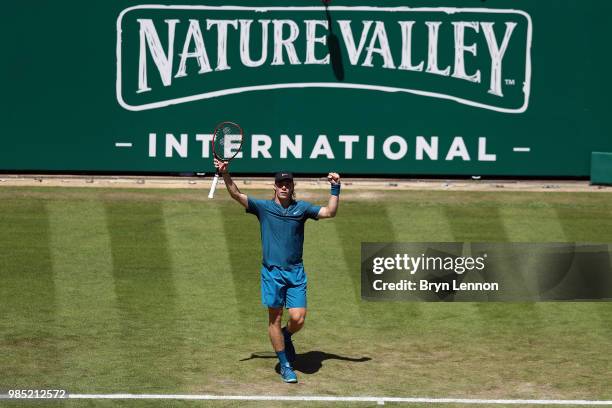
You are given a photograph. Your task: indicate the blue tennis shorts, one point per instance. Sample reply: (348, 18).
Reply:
(283, 287)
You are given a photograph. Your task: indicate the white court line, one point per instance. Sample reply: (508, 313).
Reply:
(522, 149)
(119, 144)
(379, 400)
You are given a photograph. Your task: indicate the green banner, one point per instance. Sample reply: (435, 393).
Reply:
(508, 88)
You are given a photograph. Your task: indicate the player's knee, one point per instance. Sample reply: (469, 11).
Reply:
(298, 319)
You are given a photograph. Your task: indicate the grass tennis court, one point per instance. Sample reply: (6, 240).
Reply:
(157, 291)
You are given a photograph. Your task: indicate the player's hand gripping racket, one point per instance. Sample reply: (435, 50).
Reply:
(226, 144)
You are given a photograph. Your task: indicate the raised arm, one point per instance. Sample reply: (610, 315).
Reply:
(232, 188)
(329, 211)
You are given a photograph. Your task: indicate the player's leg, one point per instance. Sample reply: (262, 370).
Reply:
(275, 316)
(273, 292)
(297, 317)
(296, 305)
(295, 298)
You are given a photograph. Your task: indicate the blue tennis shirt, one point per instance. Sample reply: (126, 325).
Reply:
(282, 230)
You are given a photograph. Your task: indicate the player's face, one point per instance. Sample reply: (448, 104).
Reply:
(284, 189)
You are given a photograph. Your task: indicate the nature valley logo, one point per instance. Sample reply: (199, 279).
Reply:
(169, 55)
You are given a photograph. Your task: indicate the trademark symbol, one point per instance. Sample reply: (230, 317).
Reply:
(511, 82)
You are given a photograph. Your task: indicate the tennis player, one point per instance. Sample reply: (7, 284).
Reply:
(283, 280)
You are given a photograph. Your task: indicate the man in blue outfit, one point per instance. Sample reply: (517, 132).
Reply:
(283, 280)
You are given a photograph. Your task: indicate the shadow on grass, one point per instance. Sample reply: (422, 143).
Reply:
(309, 362)
(243, 243)
(28, 300)
(146, 294)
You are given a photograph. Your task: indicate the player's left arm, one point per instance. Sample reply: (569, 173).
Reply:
(330, 210)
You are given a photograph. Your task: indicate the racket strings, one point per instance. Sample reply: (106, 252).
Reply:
(227, 141)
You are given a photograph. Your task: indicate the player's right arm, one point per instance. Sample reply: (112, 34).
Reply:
(232, 188)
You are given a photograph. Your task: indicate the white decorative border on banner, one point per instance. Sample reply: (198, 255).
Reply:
(231, 91)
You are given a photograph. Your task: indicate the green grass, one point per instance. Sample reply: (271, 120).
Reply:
(157, 291)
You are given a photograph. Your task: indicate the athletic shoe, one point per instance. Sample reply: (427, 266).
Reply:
(287, 374)
(289, 349)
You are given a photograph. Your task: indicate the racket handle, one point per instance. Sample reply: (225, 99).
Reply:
(211, 194)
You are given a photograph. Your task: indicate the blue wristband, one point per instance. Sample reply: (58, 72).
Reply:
(335, 189)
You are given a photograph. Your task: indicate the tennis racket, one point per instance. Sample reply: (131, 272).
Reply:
(226, 144)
